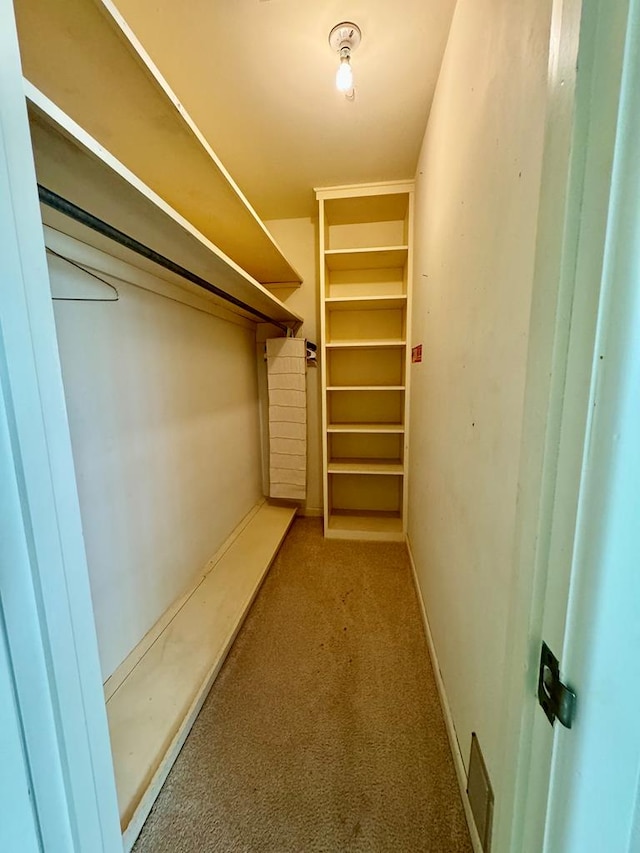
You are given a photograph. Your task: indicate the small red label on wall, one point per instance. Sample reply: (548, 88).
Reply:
(416, 354)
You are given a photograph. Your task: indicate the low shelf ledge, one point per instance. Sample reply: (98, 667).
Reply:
(152, 711)
(350, 524)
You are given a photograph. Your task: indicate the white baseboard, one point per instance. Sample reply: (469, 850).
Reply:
(458, 761)
(311, 512)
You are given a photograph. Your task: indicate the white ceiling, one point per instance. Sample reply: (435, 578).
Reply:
(257, 76)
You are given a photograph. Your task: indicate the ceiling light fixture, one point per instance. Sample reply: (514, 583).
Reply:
(344, 39)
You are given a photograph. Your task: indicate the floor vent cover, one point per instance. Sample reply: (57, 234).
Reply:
(480, 793)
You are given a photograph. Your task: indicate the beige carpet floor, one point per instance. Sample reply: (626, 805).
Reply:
(323, 731)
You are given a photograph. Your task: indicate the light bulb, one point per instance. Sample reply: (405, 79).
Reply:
(344, 76)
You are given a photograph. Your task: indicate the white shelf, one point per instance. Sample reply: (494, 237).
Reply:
(75, 166)
(365, 202)
(85, 57)
(364, 303)
(393, 344)
(357, 205)
(347, 524)
(365, 388)
(380, 257)
(366, 428)
(366, 466)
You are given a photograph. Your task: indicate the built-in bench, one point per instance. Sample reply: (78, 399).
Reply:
(154, 698)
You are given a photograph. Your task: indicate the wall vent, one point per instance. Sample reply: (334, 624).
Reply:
(480, 793)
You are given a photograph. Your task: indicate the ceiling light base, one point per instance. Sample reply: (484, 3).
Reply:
(344, 35)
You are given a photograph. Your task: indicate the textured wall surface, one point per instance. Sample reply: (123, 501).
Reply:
(477, 199)
(163, 409)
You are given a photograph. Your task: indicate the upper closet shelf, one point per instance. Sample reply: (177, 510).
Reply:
(83, 56)
(74, 166)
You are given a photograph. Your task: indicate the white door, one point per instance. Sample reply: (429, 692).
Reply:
(593, 797)
(574, 791)
(46, 621)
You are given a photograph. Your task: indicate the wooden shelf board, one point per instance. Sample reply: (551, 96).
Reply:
(382, 257)
(366, 466)
(391, 344)
(364, 209)
(365, 428)
(75, 166)
(365, 303)
(352, 524)
(151, 712)
(365, 388)
(107, 83)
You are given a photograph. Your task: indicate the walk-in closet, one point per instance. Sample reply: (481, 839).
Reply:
(303, 321)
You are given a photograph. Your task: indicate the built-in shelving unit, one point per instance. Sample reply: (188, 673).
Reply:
(365, 281)
(85, 58)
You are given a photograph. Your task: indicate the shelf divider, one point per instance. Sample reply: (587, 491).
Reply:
(365, 428)
(365, 303)
(380, 344)
(379, 257)
(366, 387)
(366, 466)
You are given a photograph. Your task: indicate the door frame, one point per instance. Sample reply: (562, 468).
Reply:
(44, 584)
(594, 791)
(577, 216)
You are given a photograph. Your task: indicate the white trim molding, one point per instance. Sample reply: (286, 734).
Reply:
(44, 585)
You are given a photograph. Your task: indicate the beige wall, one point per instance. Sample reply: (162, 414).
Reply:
(162, 402)
(298, 239)
(476, 205)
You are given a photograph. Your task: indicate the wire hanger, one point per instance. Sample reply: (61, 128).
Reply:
(88, 272)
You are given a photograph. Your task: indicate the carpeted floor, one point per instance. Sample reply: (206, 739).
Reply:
(323, 731)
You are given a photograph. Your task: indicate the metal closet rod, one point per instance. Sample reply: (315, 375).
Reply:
(63, 205)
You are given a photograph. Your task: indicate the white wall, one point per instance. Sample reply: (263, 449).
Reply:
(162, 402)
(298, 239)
(476, 205)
